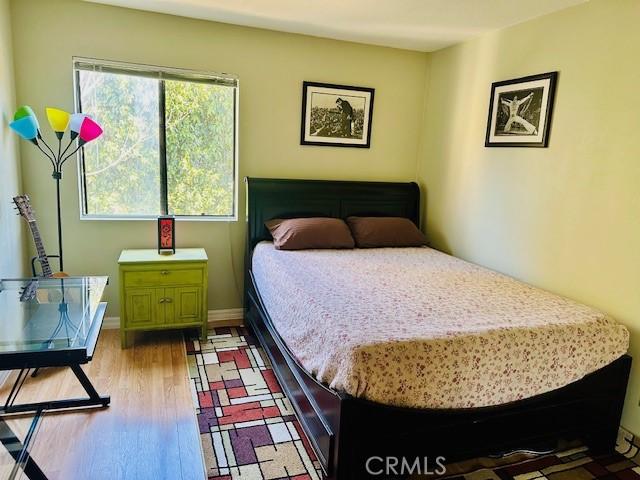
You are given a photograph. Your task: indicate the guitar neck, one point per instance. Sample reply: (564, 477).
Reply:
(42, 255)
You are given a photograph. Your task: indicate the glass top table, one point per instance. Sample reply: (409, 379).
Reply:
(44, 315)
(45, 322)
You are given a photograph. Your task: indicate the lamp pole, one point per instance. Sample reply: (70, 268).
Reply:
(58, 176)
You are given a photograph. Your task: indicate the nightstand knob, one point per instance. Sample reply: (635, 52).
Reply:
(165, 272)
(168, 299)
(162, 300)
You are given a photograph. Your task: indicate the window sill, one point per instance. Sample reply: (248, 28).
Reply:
(153, 218)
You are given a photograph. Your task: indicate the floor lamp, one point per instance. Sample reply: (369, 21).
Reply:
(81, 128)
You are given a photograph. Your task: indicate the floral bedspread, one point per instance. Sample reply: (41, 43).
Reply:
(415, 327)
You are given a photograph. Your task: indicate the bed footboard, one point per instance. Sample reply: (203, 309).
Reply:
(588, 410)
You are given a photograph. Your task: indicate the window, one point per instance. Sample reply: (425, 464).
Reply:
(169, 143)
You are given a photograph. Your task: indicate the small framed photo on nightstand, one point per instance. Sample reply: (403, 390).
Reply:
(166, 235)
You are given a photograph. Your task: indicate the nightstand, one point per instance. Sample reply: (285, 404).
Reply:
(159, 292)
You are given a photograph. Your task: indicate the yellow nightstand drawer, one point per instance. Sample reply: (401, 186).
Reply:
(162, 277)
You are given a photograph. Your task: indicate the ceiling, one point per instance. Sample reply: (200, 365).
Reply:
(424, 25)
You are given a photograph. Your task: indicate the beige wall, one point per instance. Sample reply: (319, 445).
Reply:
(11, 230)
(271, 67)
(565, 218)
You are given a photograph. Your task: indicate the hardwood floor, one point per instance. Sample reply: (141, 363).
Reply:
(148, 432)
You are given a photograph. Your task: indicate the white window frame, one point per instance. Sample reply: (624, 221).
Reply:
(159, 72)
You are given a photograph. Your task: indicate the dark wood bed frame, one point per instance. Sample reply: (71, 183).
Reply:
(344, 431)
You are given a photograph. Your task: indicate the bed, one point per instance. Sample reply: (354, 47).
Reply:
(567, 379)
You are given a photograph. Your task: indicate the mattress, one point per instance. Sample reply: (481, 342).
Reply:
(414, 327)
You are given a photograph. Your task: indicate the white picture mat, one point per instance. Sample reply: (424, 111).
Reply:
(338, 92)
(545, 84)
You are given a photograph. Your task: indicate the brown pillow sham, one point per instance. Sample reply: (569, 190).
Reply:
(371, 232)
(314, 232)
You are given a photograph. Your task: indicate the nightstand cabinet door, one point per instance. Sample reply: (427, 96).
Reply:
(188, 304)
(142, 306)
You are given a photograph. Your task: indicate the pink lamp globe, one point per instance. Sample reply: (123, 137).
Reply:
(89, 130)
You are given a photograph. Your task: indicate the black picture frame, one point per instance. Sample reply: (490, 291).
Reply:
(334, 140)
(542, 89)
(167, 250)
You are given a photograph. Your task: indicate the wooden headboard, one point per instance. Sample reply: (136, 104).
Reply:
(269, 198)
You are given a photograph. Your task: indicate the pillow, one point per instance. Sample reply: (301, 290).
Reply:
(315, 232)
(370, 232)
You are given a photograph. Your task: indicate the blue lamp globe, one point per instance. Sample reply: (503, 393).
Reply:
(26, 127)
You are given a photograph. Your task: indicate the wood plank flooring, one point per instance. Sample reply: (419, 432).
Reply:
(148, 432)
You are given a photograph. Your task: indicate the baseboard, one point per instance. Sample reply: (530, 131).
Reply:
(229, 317)
(111, 323)
(226, 317)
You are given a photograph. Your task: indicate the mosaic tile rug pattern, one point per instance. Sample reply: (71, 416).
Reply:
(247, 426)
(249, 431)
(571, 464)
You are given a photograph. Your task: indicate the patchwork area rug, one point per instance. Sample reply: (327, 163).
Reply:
(572, 464)
(249, 431)
(247, 426)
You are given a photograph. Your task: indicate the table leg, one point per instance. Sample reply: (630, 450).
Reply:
(17, 385)
(88, 386)
(94, 399)
(15, 448)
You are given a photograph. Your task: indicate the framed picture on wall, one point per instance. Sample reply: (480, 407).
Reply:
(520, 111)
(336, 115)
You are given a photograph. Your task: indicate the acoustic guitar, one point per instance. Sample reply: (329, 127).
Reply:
(23, 205)
(30, 291)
